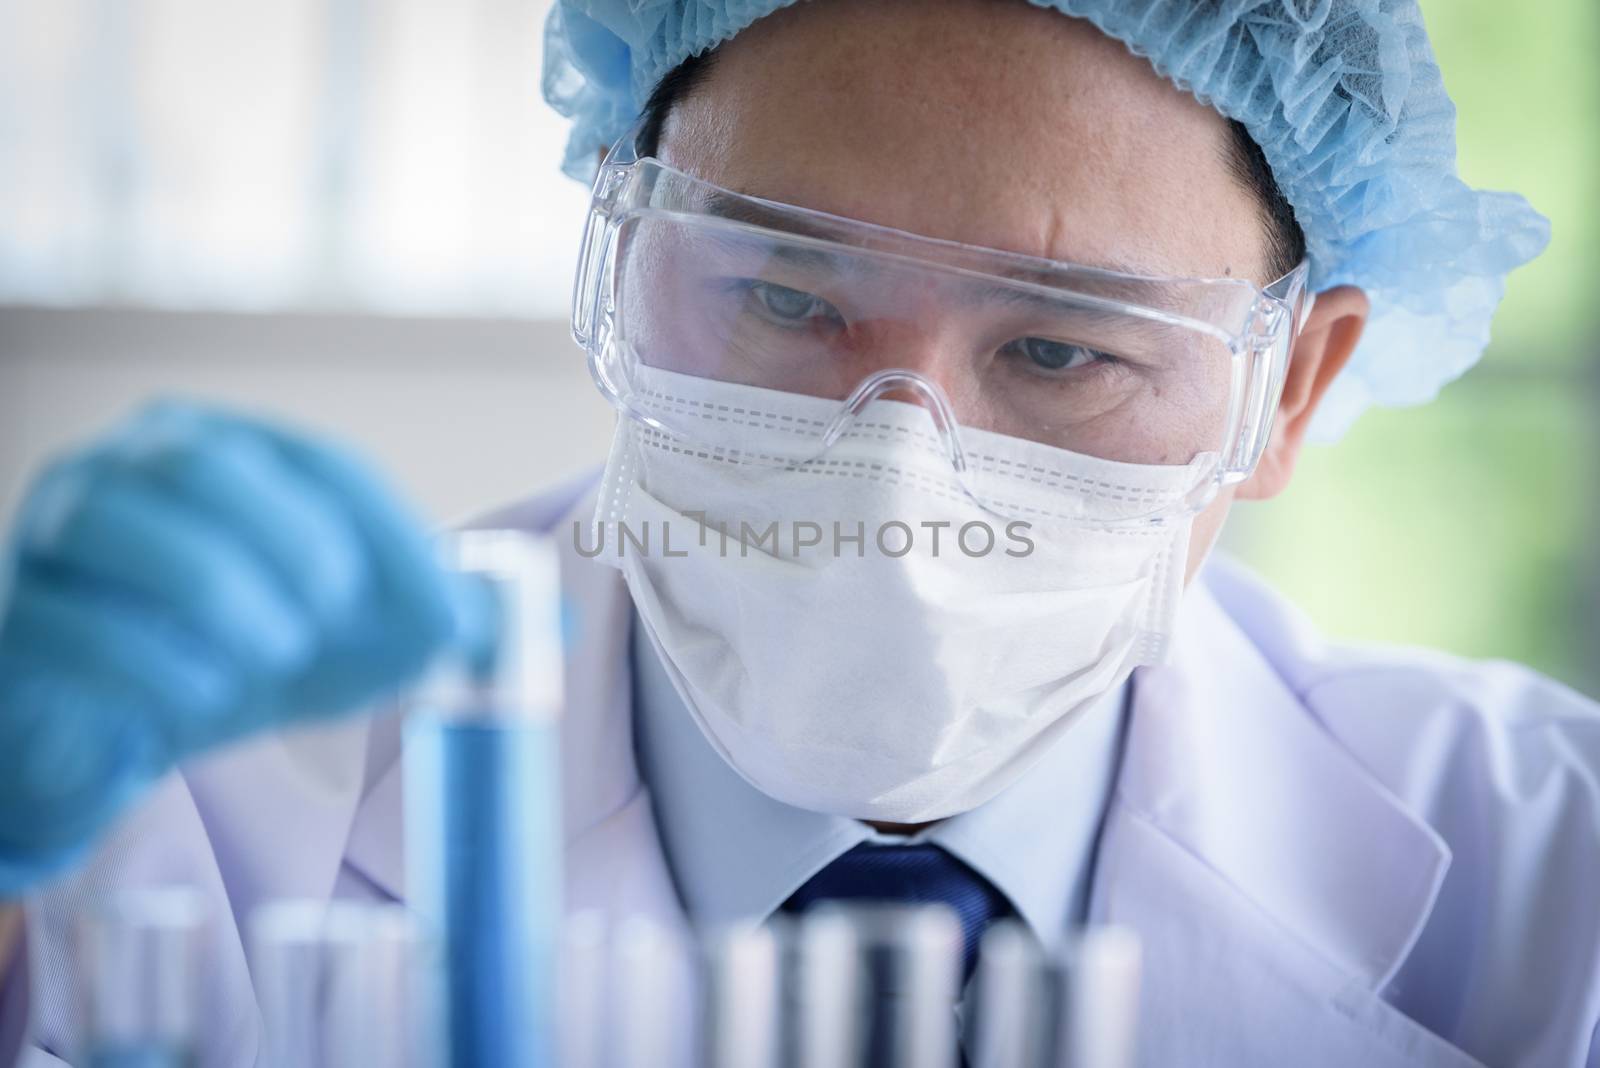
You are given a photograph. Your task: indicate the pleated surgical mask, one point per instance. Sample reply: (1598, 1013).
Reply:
(858, 634)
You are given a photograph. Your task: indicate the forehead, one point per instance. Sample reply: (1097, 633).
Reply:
(990, 122)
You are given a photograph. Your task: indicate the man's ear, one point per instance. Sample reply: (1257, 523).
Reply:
(1325, 344)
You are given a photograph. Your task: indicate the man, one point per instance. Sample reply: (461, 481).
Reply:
(870, 273)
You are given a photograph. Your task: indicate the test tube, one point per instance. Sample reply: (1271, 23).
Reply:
(1100, 978)
(820, 1023)
(584, 995)
(909, 966)
(1014, 991)
(1076, 1007)
(653, 997)
(483, 828)
(336, 983)
(139, 955)
(628, 993)
(740, 998)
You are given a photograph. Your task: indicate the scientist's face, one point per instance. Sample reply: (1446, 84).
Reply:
(996, 124)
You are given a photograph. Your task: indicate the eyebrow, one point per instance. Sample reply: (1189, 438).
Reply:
(750, 210)
(771, 218)
(1082, 307)
(1148, 292)
(1084, 316)
(1087, 302)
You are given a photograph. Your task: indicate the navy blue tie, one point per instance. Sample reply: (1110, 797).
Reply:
(912, 875)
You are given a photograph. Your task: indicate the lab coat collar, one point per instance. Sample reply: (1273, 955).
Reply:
(1228, 763)
(314, 777)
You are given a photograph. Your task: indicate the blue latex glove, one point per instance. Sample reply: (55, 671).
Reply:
(191, 579)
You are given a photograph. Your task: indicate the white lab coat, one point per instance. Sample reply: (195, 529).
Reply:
(1320, 847)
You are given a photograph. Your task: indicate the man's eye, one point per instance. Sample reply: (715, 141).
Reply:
(1050, 355)
(790, 307)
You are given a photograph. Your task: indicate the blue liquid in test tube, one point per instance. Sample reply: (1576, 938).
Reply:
(483, 828)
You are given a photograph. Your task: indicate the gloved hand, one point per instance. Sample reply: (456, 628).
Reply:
(192, 578)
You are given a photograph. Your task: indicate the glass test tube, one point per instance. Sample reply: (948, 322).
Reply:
(1014, 991)
(652, 997)
(336, 983)
(740, 998)
(584, 994)
(1101, 977)
(139, 954)
(483, 828)
(821, 1026)
(1075, 1008)
(909, 966)
(627, 997)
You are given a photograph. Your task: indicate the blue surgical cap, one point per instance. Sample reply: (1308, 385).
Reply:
(1343, 96)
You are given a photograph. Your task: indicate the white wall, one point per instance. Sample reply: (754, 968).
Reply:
(462, 414)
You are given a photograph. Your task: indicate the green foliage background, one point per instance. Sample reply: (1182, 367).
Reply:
(1473, 524)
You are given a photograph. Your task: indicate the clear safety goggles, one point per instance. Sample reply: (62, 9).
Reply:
(679, 277)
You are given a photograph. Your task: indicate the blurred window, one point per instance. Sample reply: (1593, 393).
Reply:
(382, 154)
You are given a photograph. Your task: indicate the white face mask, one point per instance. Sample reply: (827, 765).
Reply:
(844, 674)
